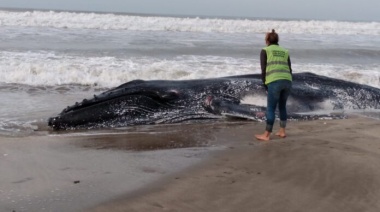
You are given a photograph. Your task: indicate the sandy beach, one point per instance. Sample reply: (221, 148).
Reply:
(323, 165)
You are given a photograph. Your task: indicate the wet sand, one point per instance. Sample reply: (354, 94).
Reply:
(71, 171)
(323, 165)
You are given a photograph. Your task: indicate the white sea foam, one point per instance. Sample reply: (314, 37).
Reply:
(47, 68)
(129, 22)
(16, 127)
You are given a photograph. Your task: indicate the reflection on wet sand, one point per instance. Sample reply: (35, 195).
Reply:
(156, 137)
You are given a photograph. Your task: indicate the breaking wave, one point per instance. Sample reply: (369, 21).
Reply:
(81, 20)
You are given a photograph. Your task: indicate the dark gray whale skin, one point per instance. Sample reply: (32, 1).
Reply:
(171, 101)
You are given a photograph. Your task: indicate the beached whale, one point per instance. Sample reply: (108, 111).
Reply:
(169, 101)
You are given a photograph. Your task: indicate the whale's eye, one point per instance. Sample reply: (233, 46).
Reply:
(171, 94)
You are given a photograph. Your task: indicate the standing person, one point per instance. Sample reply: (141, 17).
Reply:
(276, 74)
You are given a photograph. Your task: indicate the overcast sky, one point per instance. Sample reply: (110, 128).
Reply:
(354, 10)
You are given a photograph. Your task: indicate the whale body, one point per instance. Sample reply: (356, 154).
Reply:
(140, 102)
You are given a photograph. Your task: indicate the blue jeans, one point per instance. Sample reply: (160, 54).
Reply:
(278, 93)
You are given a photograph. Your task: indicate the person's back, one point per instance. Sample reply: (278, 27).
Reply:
(277, 78)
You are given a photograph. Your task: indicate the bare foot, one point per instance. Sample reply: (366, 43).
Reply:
(281, 134)
(262, 137)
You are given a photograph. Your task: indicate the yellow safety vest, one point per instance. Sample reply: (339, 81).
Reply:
(277, 64)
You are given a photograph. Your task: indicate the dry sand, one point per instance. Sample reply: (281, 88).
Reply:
(323, 165)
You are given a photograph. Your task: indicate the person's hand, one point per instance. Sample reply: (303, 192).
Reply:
(265, 87)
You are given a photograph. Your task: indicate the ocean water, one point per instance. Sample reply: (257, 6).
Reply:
(51, 59)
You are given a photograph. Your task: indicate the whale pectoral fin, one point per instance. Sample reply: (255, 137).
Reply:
(234, 109)
(243, 111)
(243, 116)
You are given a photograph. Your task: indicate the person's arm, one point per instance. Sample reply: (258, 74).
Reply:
(290, 66)
(263, 64)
